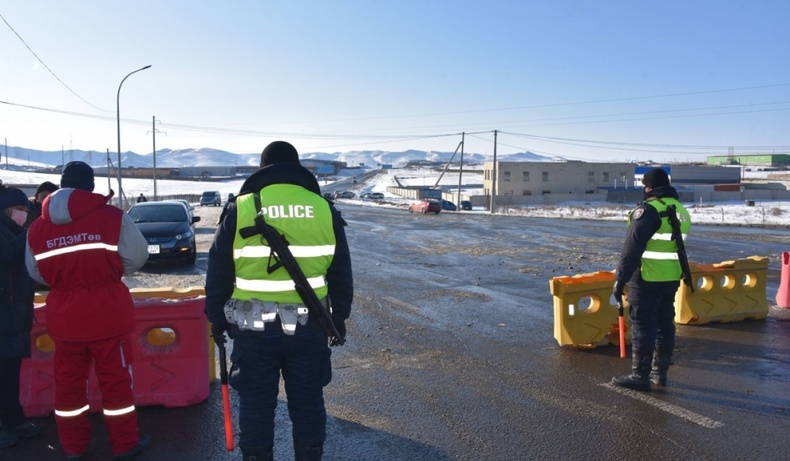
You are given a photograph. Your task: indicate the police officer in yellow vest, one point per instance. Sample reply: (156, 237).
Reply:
(272, 331)
(649, 266)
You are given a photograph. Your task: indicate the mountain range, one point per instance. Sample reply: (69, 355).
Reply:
(21, 158)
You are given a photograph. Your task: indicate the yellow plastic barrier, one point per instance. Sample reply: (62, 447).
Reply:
(583, 316)
(729, 291)
(167, 292)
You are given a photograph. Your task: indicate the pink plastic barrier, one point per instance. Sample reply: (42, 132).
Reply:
(171, 358)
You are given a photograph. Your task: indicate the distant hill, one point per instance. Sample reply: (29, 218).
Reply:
(19, 157)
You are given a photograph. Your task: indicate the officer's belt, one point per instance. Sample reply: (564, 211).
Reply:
(254, 314)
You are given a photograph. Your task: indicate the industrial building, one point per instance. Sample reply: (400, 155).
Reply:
(542, 183)
(764, 160)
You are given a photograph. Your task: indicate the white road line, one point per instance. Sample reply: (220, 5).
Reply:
(690, 416)
(403, 304)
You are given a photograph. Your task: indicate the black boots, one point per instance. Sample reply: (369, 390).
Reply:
(258, 454)
(303, 451)
(658, 373)
(639, 379)
(308, 451)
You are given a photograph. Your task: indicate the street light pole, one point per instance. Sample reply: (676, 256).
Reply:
(118, 117)
(154, 133)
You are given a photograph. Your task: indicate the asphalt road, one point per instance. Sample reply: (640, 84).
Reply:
(451, 355)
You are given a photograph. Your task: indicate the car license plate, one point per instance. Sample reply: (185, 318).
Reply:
(153, 249)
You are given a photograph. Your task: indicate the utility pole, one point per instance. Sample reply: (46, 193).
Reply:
(154, 131)
(493, 178)
(461, 171)
(109, 186)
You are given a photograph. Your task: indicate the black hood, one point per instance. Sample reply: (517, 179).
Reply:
(663, 191)
(281, 173)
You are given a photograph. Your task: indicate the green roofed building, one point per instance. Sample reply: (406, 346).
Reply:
(776, 160)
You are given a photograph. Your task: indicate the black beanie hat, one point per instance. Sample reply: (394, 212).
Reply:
(46, 186)
(78, 175)
(11, 196)
(655, 178)
(279, 152)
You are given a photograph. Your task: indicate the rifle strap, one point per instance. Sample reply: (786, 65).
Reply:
(274, 261)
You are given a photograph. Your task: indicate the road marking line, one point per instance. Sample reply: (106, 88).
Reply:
(688, 415)
(400, 303)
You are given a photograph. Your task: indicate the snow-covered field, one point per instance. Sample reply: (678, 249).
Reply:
(765, 213)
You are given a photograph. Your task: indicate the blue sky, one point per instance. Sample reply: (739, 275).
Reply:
(589, 80)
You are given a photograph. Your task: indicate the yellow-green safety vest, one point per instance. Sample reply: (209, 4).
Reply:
(660, 261)
(305, 219)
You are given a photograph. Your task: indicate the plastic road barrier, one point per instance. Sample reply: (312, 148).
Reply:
(783, 295)
(583, 315)
(172, 350)
(729, 291)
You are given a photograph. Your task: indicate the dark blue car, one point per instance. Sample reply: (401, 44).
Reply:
(447, 205)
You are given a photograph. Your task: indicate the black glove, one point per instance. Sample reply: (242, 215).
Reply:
(340, 325)
(617, 292)
(218, 331)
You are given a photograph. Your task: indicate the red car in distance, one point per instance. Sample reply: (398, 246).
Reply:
(425, 206)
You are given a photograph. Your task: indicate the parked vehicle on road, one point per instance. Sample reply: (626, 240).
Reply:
(376, 196)
(211, 197)
(466, 205)
(187, 205)
(425, 206)
(345, 194)
(168, 229)
(449, 206)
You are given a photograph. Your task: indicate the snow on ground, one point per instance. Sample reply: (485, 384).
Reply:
(763, 213)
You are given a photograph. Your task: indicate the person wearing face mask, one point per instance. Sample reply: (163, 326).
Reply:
(16, 315)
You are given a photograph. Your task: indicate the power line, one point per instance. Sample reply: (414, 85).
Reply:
(541, 106)
(47, 67)
(383, 139)
(617, 143)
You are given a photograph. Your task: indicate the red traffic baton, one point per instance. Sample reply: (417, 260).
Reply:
(621, 321)
(223, 379)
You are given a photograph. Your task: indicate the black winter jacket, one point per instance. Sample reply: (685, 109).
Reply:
(16, 291)
(645, 221)
(220, 276)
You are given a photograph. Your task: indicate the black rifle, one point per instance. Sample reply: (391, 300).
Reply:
(677, 236)
(284, 258)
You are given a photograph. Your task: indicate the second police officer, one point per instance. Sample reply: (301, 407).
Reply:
(649, 265)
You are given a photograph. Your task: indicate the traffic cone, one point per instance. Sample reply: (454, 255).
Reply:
(783, 295)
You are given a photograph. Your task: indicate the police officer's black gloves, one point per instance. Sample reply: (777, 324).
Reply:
(341, 328)
(218, 331)
(617, 292)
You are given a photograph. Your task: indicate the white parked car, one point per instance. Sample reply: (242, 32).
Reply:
(345, 194)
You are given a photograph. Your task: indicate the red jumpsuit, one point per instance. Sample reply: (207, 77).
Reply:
(81, 247)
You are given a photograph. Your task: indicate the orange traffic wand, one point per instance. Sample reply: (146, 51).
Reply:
(223, 378)
(621, 321)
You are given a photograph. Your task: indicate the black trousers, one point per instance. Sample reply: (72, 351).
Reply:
(652, 314)
(11, 414)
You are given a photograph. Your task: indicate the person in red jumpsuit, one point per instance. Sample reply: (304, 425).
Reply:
(80, 248)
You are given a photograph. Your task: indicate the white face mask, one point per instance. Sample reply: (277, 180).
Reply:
(19, 217)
